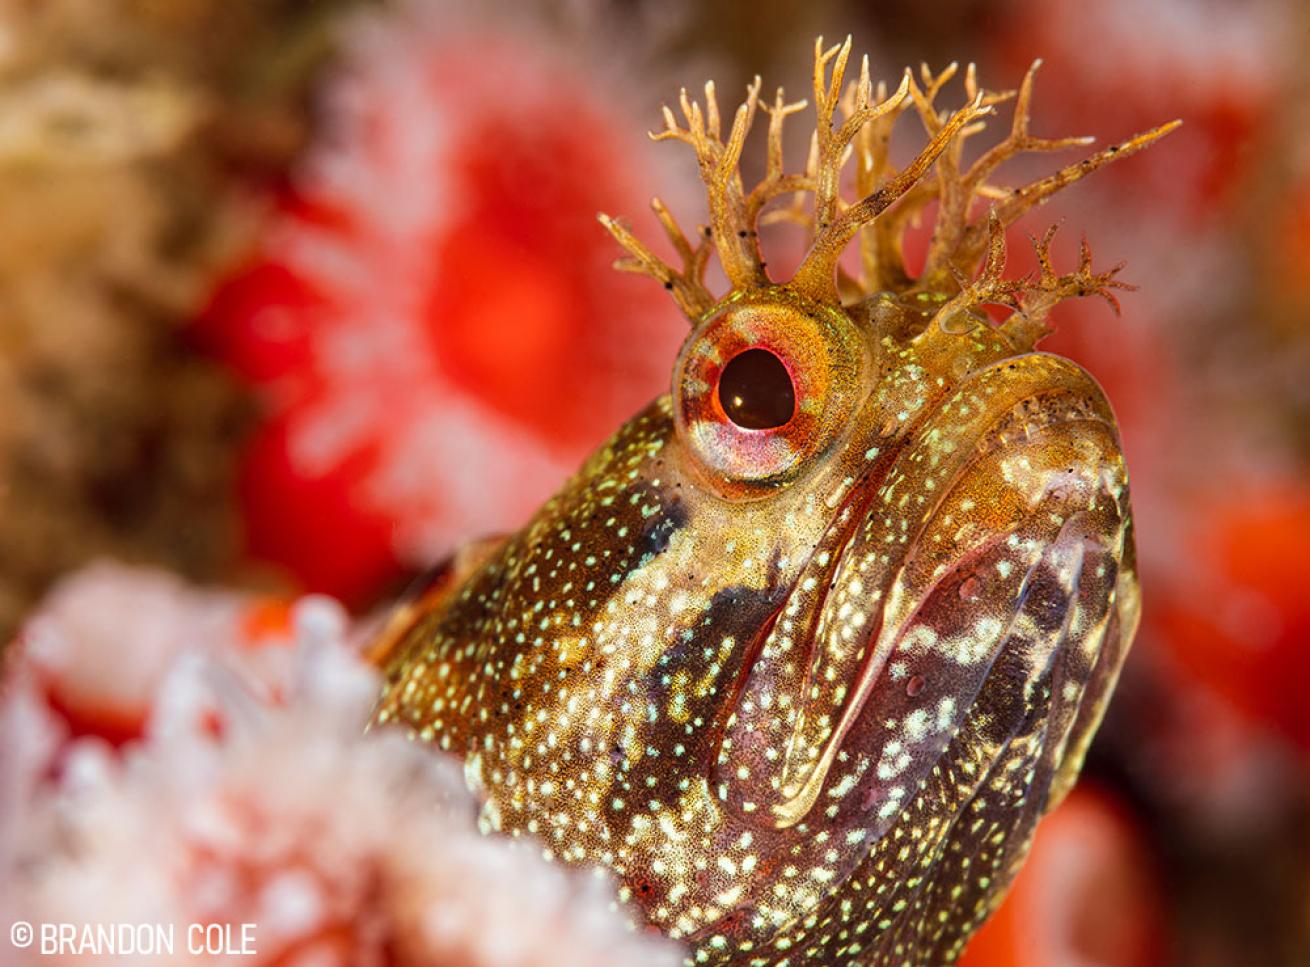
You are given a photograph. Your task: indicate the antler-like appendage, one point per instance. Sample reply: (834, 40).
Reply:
(833, 140)
(776, 182)
(686, 286)
(817, 274)
(1027, 326)
(959, 190)
(960, 314)
(1018, 201)
(856, 120)
(731, 226)
(1031, 299)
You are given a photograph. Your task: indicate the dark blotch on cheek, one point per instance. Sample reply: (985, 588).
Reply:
(733, 612)
(740, 609)
(659, 530)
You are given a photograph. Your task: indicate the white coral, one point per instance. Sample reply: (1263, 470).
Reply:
(340, 847)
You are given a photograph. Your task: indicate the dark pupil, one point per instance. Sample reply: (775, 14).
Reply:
(755, 390)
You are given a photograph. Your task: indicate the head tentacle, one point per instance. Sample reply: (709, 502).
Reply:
(964, 266)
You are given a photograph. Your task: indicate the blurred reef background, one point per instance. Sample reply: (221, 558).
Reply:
(299, 296)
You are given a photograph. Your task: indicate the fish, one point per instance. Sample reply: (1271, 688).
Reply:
(805, 650)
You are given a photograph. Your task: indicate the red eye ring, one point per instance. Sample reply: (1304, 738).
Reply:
(766, 385)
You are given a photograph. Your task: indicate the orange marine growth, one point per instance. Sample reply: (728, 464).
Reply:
(804, 652)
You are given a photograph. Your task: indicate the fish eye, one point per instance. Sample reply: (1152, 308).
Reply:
(756, 391)
(763, 388)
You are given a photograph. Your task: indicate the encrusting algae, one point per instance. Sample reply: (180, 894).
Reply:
(804, 652)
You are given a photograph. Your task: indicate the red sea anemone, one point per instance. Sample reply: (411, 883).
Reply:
(432, 317)
(1239, 622)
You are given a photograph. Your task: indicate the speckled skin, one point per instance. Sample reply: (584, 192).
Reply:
(813, 716)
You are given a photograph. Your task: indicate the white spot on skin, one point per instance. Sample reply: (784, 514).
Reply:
(916, 725)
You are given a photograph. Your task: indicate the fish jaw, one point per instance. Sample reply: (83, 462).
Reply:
(1005, 583)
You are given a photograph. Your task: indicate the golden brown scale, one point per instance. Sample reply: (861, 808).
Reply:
(804, 652)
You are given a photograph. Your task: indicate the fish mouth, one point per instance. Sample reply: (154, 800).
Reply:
(885, 583)
(774, 724)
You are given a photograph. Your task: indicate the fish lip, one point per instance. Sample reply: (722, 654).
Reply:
(847, 515)
(836, 538)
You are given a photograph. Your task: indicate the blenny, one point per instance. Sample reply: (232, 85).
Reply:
(806, 649)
